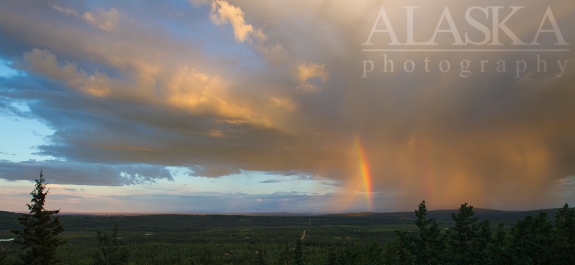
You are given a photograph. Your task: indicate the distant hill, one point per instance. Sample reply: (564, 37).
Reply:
(9, 220)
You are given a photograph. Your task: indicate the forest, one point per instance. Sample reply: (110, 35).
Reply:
(435, 237)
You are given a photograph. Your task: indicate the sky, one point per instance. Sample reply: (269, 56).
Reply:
(302, 106)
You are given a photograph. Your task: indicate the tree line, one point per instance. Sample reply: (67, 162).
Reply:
(532, 240)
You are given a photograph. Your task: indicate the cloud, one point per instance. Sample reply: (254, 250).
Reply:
(45, 63)
(105, 20)
(274, 53)
(291, 176)
(183, 88)
(224, 13)
(65, 10)
(102, 19)
(8, 109)
(567, 181)
(307, 72)
(62, 172)
(272, 181)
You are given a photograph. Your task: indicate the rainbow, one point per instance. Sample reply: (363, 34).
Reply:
(365, 174)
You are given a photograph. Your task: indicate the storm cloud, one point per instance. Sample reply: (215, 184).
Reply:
(220, 87)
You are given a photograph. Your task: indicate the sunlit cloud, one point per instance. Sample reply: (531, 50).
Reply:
(224, 13)
(309, 75)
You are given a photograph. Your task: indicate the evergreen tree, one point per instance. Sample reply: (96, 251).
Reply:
(332, 257)
(261, 257)
(39, 236)
(482, 242)
(261, 252)
(112, 253)
(428, 247)
(350, 255)
(498, 249)
(297, 254)
(532, 241)
(372, 254)
(564, 236)
(469, 240)
(285, 255)
(397, 251)
(3, 255)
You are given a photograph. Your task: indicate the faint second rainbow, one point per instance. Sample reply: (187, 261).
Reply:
(365, 173)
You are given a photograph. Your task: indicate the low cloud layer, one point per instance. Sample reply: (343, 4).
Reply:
(62, 172)
(225, 86)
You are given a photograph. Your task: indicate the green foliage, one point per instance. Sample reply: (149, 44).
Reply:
(499, 248)
(402, 250)
(8, 256)
(372, 254)
(3, 255)
(531, 240)
(297, 254)
(112, 253)
(397, 251)
(469, 239)
(261, 257)
(354, 254)
(284, 256)
(564, 236)
(427, 248)
(332, 257)
(39, 235)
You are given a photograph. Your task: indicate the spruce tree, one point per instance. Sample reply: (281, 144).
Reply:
(499, 248)
(564, 236)
(428, 247)
(39, 236)
(398, 250)
(469, 239)
(112, 253)
(332, 256)
(261, 257)
(532, 241)
(297, 255)
(3, 255)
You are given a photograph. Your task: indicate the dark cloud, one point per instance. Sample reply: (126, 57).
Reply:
(272, 181)
(63, 172)
(9, 110)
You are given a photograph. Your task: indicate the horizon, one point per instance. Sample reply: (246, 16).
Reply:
(275, 213)
(234, 106)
